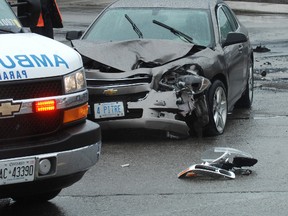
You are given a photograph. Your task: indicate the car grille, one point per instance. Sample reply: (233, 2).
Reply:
(136, 79)
(29, 125)
(34, 124)
(20, 90)
(134, 113)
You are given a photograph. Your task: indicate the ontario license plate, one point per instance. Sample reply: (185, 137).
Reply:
(109, 110)
(17, 171)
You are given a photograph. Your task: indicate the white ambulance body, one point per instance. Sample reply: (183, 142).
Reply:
(46, 143)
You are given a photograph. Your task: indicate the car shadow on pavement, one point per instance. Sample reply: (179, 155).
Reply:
(138, 135)
(8, 207)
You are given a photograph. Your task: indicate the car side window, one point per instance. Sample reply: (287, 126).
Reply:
(224, 24)
(231, 18)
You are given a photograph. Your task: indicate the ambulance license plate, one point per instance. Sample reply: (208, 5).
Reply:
(17, 171)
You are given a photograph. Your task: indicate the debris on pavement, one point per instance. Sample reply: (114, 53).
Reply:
(221, 162)
(263, 73)
(206, 169)
(261, 49)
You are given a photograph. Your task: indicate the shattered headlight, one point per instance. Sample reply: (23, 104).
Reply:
(184, 78)
(197, 84)
(75, 81)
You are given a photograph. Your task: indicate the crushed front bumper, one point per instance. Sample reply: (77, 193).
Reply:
(153, 123)
(159, 112)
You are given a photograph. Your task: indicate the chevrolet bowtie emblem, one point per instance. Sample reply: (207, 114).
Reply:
(110, 92)
(8, 108)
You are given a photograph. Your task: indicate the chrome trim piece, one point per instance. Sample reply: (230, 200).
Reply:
(122, 90)
(62, 101)
(67, 162)
(118, 85)
(119, 79)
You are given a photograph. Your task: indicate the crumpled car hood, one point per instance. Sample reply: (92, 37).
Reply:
(123, 55)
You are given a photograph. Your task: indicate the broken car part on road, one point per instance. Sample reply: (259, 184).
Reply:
(221, 162)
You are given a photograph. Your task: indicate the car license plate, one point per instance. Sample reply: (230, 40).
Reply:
(109, 110)
(17, 171)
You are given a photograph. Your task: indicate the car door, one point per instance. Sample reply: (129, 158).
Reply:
(233, 54)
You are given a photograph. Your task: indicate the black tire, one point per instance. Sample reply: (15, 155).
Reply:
(38, 198)
(246, 99)
(217, 108)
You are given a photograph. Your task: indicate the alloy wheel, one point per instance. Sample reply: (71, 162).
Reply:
(220, 109)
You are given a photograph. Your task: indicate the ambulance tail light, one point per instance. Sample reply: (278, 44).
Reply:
(44, 106)
(75, 114)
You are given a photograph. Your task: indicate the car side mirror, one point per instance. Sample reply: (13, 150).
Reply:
(234, 38)
(73, 35)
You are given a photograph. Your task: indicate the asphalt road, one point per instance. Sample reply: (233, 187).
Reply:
(148, 183)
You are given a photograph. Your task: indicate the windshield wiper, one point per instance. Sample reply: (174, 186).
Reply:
(174, 31)
(135, 28)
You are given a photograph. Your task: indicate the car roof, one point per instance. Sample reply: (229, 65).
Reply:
(199, 4)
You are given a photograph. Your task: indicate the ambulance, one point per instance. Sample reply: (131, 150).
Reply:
(46, 142)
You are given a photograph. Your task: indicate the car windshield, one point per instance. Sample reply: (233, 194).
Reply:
(133, 23)
(8, 20)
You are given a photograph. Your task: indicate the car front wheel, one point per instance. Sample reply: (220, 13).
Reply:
(217, 106)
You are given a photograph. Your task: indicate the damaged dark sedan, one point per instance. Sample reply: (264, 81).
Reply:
(178, 66)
